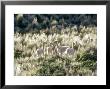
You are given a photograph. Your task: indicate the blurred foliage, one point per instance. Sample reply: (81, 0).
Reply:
(24, 22)
(90, 54)
(17, 53)
(51, 67)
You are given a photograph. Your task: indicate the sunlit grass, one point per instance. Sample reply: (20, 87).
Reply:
(82, 63)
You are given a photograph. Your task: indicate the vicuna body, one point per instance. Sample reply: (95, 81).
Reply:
(40, 52)
(61, 50)
(69, 51)
(49, 50)
(65, 50)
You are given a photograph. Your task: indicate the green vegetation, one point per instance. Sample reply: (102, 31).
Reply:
(39, 54)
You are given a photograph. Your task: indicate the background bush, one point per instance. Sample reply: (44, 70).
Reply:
(23, 23)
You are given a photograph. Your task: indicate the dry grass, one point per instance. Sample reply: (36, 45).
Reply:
(83, 62)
